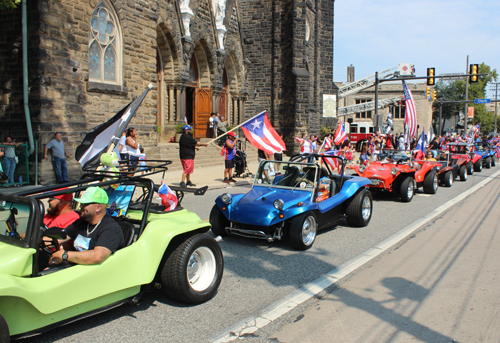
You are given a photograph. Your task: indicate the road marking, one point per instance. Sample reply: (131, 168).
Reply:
(309, 290)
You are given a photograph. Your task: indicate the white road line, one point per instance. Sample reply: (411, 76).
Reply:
(307, 291)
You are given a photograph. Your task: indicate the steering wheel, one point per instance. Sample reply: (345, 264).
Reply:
(51, 246)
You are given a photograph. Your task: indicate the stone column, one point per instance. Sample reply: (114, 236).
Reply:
(171, 107)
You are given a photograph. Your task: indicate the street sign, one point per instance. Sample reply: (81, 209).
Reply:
(482, 101)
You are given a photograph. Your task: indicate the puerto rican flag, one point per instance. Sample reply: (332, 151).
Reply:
(420, 148)
(168, 198)
(340, 134)
(327, 144)
(332, 162)
(261, 134)
(411, 112)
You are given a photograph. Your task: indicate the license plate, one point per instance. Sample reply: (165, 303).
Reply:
(375, 182)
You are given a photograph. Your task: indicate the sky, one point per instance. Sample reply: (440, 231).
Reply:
(374, 35)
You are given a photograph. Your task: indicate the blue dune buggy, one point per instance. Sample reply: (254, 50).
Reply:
(488, 155)
(293, 200)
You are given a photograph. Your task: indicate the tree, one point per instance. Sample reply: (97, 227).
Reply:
(455, 91)
(8, 4)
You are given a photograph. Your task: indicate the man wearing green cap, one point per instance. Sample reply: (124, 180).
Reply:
(96, 234)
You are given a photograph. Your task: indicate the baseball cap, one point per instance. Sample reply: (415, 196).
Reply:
(93, 194)
(231, 133)
(186, 127)
(65, 197)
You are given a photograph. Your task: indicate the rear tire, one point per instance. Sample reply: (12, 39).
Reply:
(193, 271)
(493, 161)
(4, 330)
(219, 222)
(463, 173)
(431, 182)
(470, 168)
(303, 230)
(448, 178)
(487, 163)
(478, 166)
(360, 208)
(407, 189)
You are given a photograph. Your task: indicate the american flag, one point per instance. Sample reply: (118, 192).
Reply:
(340, 134)
(411, 112)
(261, 134)
(168, 198)
(332, 162)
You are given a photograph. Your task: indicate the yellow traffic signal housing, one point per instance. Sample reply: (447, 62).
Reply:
(428, 92)
(474, 69)
(434, 95)
(431, 81)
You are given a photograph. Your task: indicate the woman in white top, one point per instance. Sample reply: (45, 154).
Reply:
(122, 147)
(132, 146)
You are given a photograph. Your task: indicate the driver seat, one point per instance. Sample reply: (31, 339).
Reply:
(128, 233)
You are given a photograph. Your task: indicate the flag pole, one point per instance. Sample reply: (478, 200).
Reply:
(234, 128)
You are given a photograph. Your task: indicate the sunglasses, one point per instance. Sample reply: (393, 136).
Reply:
(90, 203)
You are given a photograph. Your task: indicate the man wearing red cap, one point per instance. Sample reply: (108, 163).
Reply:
(60, 213)
(230, 153)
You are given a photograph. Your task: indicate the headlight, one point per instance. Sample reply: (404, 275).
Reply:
(278, 204)
(226, 198)
(362, 168)
(394, 170)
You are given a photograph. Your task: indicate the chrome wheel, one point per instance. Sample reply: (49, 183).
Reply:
(309, 228)
(410, 190)
(366, 208)
(201, 269)
(435, 183)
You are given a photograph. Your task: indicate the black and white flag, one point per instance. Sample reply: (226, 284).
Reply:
(105, 137)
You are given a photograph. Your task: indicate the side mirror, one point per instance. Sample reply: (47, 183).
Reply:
(55, 233)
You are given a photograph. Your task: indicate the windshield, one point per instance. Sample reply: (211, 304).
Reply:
(396, 155)
(15, 217)
(287, 175)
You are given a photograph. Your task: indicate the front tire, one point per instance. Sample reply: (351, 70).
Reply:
(478, 166)
(463, 173)
(431, 182)
(487, 163)
(448, 178)
(470, 168)
(359, 211)
(193, 271)
(4, 330)
(303, 230)
(219, 222)
(407, 189)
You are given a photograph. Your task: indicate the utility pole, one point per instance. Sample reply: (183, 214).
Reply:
(466, 110)
(496, 98)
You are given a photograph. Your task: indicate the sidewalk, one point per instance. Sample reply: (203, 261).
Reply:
(439, 286)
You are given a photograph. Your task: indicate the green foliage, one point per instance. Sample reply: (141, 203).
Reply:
(455, 91)
(8, 4)
(178, 128)
(323, 131)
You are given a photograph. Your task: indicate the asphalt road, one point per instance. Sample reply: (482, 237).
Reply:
(256, 275)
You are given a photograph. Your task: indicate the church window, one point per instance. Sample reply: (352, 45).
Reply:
(105, 46)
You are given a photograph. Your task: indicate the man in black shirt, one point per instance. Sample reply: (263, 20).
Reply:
(96, 234)
(187, 150)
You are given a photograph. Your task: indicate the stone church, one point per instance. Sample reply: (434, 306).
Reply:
(87, 59)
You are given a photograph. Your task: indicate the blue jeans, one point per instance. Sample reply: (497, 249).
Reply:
(60, 169)
(9, 166)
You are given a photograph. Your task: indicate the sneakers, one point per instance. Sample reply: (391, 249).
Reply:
(225, 180)
(189, 183)
(182, 184)
(231, 180)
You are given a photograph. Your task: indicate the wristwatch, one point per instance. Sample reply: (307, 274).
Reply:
(65, 256)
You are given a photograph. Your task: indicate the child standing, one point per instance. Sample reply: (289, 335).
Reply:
(142, 160)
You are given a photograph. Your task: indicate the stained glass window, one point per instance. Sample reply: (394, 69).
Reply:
(104, 43)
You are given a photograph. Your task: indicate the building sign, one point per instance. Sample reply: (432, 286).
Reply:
(470, 112)
(329, 105)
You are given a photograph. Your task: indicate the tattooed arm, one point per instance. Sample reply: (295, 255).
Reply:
(95, 256)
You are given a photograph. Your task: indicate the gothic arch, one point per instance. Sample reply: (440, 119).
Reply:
(204, 59)
(168, 53)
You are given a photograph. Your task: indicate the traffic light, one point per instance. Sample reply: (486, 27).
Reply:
(474, 69)
(428, 92)
(431, 81)
(434, 95)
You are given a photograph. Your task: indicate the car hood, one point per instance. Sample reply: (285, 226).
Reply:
(257, 205)
(383, 170)
(15, 260)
